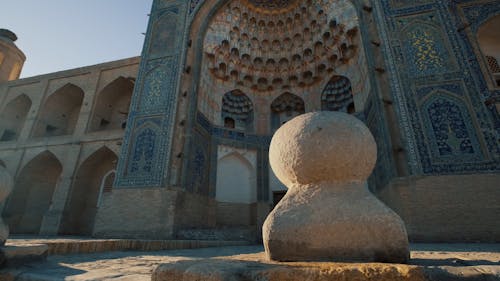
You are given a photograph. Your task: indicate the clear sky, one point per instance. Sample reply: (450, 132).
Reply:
(63, 34)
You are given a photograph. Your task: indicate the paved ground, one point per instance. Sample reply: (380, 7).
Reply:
(461, 259)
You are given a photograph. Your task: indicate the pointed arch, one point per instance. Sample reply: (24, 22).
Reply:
(81, 205)
(13, 117)
(284, 108)
(32, 193)
(112, 105)
(448, 124)
(237, 109)
(337, 95)
(60, 112)
(235, 179)
(144, 148)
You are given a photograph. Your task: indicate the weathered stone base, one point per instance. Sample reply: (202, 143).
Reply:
(256, 270)
(19, 255)
(255, 267)
(345, 224)
(223, 270)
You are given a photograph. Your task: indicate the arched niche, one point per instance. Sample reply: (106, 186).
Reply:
(81, 206)
(237, 111)
(32, 194)
(59, 113)
(337, 95)
(112, 105)
(13, 117)
(450, 128)
(236, 190)
(489, 43)
(284, 108)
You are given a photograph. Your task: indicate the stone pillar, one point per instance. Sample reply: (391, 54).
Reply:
(52, 218)
(328, 214)
(6, 184)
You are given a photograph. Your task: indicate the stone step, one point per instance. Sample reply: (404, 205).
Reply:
(67, 246)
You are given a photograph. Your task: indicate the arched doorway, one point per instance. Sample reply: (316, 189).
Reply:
(32, 194)
(236, 190)
(81, 207)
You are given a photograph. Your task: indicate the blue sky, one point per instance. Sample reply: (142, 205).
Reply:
(63, 34)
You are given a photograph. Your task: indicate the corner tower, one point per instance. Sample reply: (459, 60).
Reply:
(11, 57)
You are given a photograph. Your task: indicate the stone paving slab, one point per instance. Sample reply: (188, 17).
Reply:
(445, 262)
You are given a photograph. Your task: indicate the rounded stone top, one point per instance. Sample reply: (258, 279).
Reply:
(5, 33)
(320, 147)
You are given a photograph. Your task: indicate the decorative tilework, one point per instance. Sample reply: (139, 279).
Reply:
(199, 166)
(164, 34)
(142, 158)
(157, 83)
(146, 148)
(425, 50)
(451, 134)
(424, 58)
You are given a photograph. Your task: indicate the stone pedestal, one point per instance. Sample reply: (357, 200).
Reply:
(328, 214)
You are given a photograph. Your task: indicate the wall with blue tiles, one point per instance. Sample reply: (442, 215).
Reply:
(447, 122)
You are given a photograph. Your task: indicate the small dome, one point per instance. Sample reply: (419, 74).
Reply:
(5, 33)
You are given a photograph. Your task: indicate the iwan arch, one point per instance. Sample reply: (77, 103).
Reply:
(217, 78)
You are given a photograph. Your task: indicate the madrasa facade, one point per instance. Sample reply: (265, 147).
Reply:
(174, 144)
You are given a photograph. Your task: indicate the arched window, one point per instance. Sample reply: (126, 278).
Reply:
(229, 123)
(237, 108)
(337, 95)
(284, 108)
(489, 42)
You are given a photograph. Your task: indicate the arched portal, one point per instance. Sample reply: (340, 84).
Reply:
(13, 117)
(32, 194)
(112, 106)
(60, 112)
(267, 49)
(81, 207)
